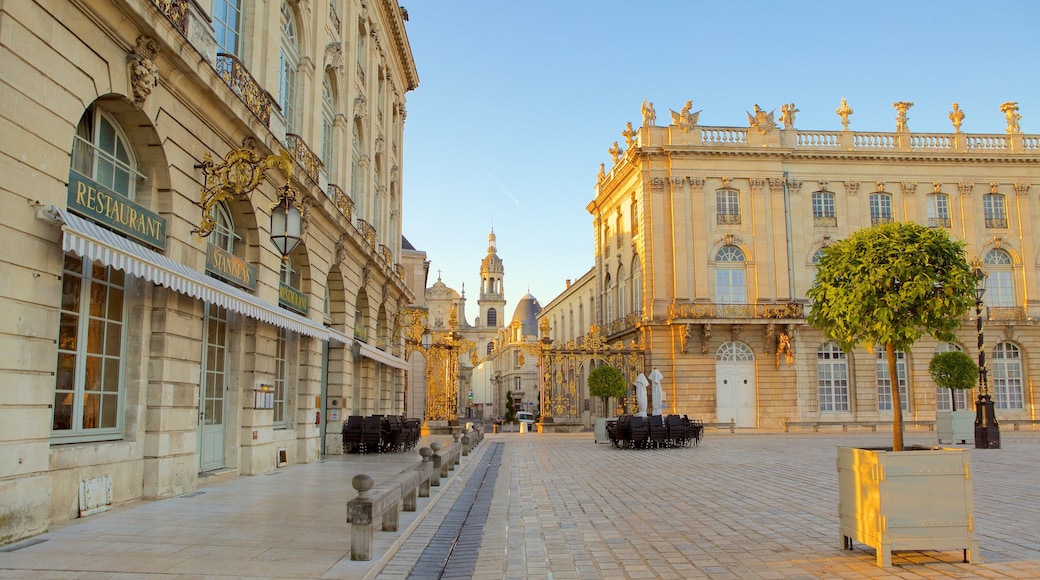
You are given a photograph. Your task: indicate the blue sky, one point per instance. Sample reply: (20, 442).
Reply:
(518, 101)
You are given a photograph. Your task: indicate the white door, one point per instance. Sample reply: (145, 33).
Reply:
(735, 385)
(213, 390)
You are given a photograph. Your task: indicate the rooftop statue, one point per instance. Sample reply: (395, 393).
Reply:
(956, 117)
(787, 113)
(844, 111)
(649, 116)
(684, 119)
(761, 121)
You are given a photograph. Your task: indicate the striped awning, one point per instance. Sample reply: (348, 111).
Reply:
(89, 240)
(367, 351)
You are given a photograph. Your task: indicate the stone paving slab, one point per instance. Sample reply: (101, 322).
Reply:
(745, 505)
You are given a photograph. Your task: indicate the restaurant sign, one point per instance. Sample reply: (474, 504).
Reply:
(292, 298)
(96, 202)
(230, 267)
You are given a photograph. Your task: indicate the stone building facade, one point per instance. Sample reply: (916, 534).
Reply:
(706, 239)
(139, 354)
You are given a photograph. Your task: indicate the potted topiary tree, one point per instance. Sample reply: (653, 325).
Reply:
(886, 286)
(954, 370)
(605, 382)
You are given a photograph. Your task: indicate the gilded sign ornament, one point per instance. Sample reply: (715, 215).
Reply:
(241, 173)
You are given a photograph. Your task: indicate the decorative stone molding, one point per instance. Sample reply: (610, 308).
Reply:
(144, 74)
(851, 187)
(629, 134)
(756, 183)
(1021, 188)
(909, 187)
(334, 56)
(696, 183)
(966, 187)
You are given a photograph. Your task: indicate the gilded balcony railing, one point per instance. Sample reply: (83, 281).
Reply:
(344, 204)
(367, 231)
(1006, 313)
(786, 311)
(992, 222)
(399, 270)
(304, 156)
(628, 322)
(825, 221)
(237, 77)
(727, 219)
(938, 222)
(386, 254)
(176, 11)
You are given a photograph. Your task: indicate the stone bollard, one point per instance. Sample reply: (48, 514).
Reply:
(359, 515)
(427, 457)
(458, 456)
(438, 464)
(465, 445)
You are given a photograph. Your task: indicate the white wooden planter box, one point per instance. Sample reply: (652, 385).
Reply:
(920, 499)
(955, 427)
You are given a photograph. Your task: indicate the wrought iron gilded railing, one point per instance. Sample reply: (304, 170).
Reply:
(367, 231)
(176, 11)
(237, 77)
(787, 311)
(386, 255)
(1016, 313)
(344, 204)
(304, 156)
(629, 322)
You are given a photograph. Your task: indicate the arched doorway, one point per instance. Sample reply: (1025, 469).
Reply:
(735, 385)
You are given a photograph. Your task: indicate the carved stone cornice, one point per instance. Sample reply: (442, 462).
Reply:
(1021, 188)
(696, 183)
(757, 184)
(965, 187)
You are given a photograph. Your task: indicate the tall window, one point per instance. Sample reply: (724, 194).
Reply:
(880, 208)
(832, 372)
(356, 179)
(88, 394)
(884, 382)
(938, 210)
(492, 318)
(280, 379)
(730, 276)
(288, 62)
(1006, 376)
(621, 289)
(618, 228)
(1000, 286)
(633, 214)
(816, 257)
(223, 235)
(102, 153)
(637, 286)
(996, 214)
(227, 24)
(328, 118)
(823, 209)
(942, 396)
(608, 302)
(727, 206)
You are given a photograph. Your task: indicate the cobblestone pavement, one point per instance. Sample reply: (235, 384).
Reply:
(745, 505)
(761, 505)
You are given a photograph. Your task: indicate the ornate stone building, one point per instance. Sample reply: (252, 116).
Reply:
(152, 333)
(706, 239)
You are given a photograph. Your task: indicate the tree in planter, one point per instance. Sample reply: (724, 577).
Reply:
(953, 370)
(607, 382)
(886, 286)
(510, 411)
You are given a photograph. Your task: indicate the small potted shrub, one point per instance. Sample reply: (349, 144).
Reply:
(954, 370)
(606, 382)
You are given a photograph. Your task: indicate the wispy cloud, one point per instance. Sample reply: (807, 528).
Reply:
(504, 190)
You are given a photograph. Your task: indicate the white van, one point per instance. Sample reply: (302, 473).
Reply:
(525, 417)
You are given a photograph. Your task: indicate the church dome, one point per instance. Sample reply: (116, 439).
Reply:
(526, 313)
(441, 291)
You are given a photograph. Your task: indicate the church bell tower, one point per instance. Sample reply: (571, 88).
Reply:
(492, 300)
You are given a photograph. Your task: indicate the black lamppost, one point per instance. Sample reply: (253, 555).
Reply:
(987, 432)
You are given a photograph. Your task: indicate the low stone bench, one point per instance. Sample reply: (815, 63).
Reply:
(817, 424)
(1015, 423)
(383, 503)
(732, 426)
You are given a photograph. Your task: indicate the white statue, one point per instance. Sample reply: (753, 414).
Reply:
(640, 386)
(655, 379)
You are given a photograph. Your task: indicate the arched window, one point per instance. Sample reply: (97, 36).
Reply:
(490, 347)
(832, 378)
(102, 153)
(735, 352)
(942, 396)
(492, 318)
(637, 286)
(884, 382)
(730, 276)
(609, 301)
(288, 63)
(1006, 376)
(223, 235)
(816, 257)
(621, 289)
(1000, 286)
(880, 208)
(328, 119)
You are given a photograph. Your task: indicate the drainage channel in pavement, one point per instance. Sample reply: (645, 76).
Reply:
(452, 552)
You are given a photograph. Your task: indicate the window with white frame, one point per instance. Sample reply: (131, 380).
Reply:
(621, 289)
(884, 381)
(637, 286)
(280, 378)
(1006, 376)
(288, 63)
(609, 301)
(727, 206)
(995, 212)
(328, 119)
(942, 396)
(823, 209)
(227, 25)
(816, 257)
(1000, 283)
(832, 378)
(102, 153)
(88, 394)
(223, 235)
(356, 179)
(880, 208)
(938, 210)
(730, 276)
